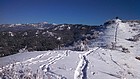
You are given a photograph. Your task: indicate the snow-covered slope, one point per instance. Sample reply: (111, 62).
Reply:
(121, 36)
(97, 63)
(125, 32)
(119, 60)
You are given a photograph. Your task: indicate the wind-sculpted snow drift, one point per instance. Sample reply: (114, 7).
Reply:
(119, 59)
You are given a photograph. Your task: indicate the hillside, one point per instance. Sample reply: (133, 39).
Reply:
(42, 36)
(113, 54)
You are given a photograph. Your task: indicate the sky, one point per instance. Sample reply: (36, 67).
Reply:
(90, 12)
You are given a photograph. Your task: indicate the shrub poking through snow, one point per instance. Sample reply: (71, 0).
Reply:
(138, 57)
(125, 50)
(81, 46)
(11, 72)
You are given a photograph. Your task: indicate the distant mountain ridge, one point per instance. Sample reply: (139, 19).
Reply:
(45, 36)
(42, 36)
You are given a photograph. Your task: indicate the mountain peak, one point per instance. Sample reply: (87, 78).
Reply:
(117, 20)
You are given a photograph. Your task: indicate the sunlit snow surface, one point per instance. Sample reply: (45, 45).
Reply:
(101, 63)
(96, 63)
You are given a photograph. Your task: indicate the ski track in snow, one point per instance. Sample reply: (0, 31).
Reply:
(37, 59)
(49, 61)
(52, 60)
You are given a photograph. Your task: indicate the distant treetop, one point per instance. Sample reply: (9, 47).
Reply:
(117, 17)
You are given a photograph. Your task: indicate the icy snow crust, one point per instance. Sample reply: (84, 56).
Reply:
(96, 63)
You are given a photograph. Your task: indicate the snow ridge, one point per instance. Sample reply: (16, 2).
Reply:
(81, 70)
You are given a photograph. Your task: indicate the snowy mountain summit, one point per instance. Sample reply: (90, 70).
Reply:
(113, 55)
(124, 35)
